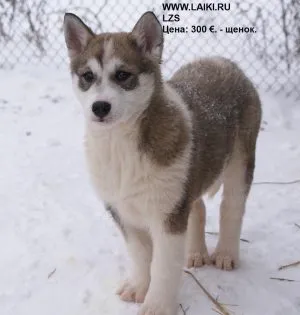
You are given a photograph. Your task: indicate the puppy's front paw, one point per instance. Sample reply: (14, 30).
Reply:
(155, 309)
(225, 259)
(130, 291)
(198, 259)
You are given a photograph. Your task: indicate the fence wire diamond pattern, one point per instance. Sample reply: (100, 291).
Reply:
(31, 33)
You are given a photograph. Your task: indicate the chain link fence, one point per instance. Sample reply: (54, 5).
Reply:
(262, 36)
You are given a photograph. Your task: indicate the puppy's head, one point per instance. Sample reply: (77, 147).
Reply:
(114, 74)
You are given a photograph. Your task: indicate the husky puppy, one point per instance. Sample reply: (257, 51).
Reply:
(154, 148)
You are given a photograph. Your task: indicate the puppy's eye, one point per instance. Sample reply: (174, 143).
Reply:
(122, 75)
(88, 76)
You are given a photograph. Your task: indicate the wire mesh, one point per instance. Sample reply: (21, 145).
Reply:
(31, 33)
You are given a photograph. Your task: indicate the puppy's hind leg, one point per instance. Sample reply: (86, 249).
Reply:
(237, 181)
(197, 254)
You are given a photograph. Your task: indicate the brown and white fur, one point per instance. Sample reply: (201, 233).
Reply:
(155, 148)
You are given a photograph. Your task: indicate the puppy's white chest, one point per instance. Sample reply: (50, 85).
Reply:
(130, 181)
(120, 174)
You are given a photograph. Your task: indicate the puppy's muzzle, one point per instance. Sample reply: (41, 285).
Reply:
(101, 109)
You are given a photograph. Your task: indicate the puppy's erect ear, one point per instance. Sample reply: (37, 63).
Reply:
(149, 35)
(77, 34)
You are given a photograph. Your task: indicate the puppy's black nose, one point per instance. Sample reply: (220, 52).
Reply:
(101, 109)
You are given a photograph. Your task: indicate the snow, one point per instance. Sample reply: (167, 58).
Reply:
(62, 254)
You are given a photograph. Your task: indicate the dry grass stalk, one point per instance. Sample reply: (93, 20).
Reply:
(51, 273)
(215, 310)
(218, 305)
(215, 233)
(283, 279)
(227, 304)
(184, 311)
(296, 263)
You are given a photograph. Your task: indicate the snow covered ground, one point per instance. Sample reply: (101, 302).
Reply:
(61, 253)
